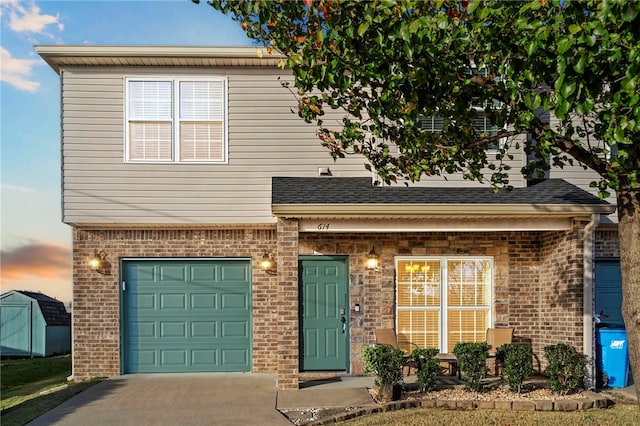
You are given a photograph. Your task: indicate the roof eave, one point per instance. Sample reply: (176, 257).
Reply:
(60, 55)
(437, 210)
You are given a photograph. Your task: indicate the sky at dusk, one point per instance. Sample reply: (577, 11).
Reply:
(35, 244)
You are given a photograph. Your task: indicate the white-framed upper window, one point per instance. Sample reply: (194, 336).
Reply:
(441, 301)
(481, 125)
(181, 120)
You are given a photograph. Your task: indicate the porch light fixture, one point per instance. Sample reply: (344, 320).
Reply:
(98, 262)
(372, 259)
(268, 264)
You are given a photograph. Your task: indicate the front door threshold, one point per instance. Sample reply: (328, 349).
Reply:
(321, 375)
(309, 379)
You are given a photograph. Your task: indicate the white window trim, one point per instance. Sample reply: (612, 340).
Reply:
(444, 308)
(175, 120)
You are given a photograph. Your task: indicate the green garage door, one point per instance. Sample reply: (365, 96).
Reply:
(186, 315)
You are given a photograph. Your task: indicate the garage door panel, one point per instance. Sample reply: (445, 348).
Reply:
(143, 329)
(144, 301)
(142, 273)
(204, 301)
(233, 301)
(233, 273)
(234, 357)
(173, 273)
(173, 329)
(234, 329)
(144, 358)
(203, 329)
(173, 301)
(176, 324)
(206, 273)
(175, 358)
(204, 357)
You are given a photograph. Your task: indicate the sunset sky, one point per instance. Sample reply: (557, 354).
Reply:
(36, 245)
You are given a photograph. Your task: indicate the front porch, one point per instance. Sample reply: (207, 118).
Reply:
(452, 262)
(536, 286)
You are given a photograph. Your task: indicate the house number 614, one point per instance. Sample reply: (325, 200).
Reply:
(323, 226)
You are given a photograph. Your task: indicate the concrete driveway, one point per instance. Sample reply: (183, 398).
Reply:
(173, 399)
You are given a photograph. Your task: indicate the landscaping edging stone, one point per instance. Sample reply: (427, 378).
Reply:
(588, 400)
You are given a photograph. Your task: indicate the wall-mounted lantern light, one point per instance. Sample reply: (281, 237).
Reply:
(268, 264)
(372, 259)
(98, 262)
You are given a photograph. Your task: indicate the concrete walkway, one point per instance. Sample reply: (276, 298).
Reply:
(215, 399)
(338, 393)
(173, 399)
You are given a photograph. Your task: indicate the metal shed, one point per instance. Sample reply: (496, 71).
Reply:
(33, 324)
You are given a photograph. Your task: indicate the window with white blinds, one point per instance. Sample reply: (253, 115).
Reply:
(481, 125)
(176, 120)
(442, 301)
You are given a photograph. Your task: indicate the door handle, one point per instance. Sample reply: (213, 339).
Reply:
(344, 324)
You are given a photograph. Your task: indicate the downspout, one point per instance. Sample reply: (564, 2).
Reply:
(587, 306)
(62, 214)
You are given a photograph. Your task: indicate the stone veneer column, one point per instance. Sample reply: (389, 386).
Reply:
(288, 322)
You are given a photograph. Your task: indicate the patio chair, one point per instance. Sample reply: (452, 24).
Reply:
(387, 336)
(497, 337)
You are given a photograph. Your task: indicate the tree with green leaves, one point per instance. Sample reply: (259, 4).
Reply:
(557, 78)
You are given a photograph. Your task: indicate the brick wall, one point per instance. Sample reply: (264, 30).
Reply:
(561, 290)
(607, 243)
(528, 295)
(96, 298)
(537, 285)
(524, 288)
(287, 325)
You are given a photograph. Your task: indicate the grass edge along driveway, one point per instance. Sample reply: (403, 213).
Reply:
(33, 386)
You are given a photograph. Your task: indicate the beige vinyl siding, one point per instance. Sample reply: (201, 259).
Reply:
(582, 178)
(265, 140)
(579, 176)
(516, 179)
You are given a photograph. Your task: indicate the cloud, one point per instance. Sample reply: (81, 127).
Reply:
(16, 188)
(39, 259)
(15, 71)
(28, 18)
(23, 17)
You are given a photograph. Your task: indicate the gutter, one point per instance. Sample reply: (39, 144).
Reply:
(395, 210)
(58, 56)
(588, 343)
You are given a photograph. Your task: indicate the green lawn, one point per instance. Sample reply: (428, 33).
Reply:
(31, 387)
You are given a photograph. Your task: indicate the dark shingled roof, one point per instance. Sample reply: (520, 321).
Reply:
(52, 309)
(338, 190)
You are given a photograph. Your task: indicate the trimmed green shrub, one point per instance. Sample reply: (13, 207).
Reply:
(385, 362)
(428, 368)
(517, 364)
(472, 360)
(565, 368)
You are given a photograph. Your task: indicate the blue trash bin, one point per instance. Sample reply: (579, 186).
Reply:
(613, 351)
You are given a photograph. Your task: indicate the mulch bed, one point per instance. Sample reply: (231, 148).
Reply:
(452, 394)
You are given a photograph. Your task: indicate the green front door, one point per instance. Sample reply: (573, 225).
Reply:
(324, 309)
(187, 315)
